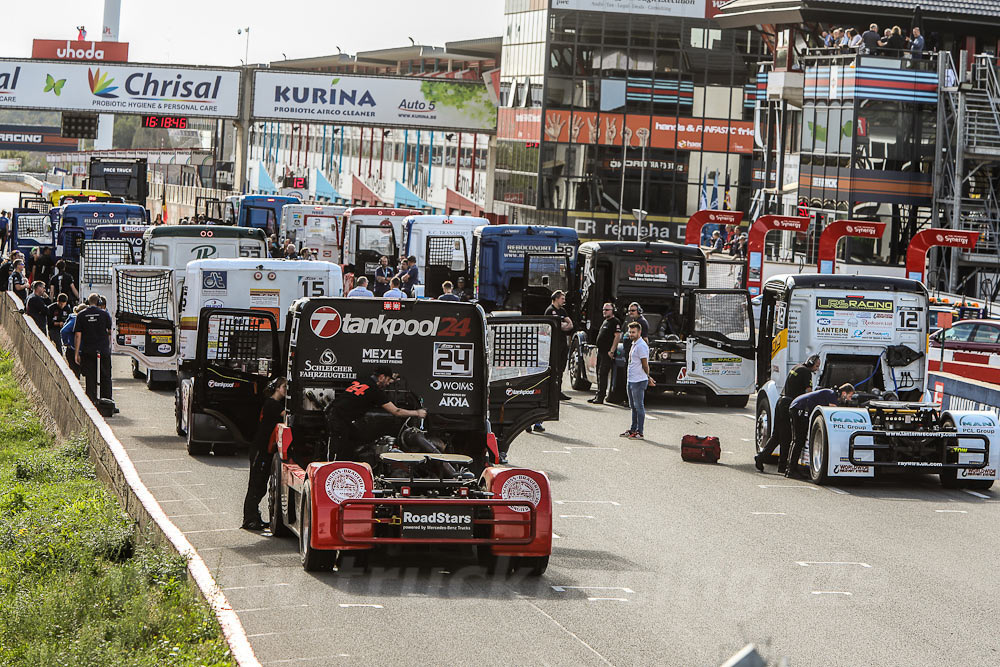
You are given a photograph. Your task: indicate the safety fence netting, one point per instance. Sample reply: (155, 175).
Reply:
(144, 293)
(446, 251)
(240, 342)
(723, 274)
(98, 259)
(723, 313)
(32, 227)
(518, 350)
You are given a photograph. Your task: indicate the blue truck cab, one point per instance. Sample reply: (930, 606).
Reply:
(262, 211)
(77, 222)
(499, 256)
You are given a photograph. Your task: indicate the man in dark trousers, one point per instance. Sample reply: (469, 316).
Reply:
(800, 409)
(63, 283)
(37, 306)
(383, 275)
(59, 312)
(560, 338)
(92, 337)
(271, 414)
(798, 382)
(607, 343)
(364, 394)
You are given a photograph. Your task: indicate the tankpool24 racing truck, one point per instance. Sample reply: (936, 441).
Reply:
(426, 483)
(870, 331)
(700, 339)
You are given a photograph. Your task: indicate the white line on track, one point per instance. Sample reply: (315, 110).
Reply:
(284, 606)
(556, 537)
(745, 439)
(750, 417)
(575, 516)
(831, 593)
(649, 416)
(243, 588)
(951, 511)
(555, 451)
(768, 513)
(839, 492)
(807, 563)
(595, 502)
(607, 599)
(607, 449)
(563, 589)
(976, 494)
(787, 486)
(569, 632)
(348, 605)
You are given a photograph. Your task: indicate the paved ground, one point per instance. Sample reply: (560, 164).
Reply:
(657, 561)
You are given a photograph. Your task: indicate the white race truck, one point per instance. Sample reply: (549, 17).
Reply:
(369, 233)
(163, 337)
(871, 332)
(313, 226)
(442, 246)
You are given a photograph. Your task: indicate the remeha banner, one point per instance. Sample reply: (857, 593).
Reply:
(119, 88)
(369, 100)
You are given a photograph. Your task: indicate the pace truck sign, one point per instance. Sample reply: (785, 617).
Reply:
(125, 88)
(369, 100)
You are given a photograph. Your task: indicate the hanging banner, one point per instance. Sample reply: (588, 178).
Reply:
(119, 88)
(690, 8)
(35, 138)
(368, 100)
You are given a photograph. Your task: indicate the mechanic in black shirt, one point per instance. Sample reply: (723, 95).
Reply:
(632, 314)
(18, 283)
(561, 338)
(271, 414)
(44, 266)
(63, 283)
(801, 408)
(92, 338)
(37, 306)
(798, 382)
(608, 337)
(59, 311)
(352, 403)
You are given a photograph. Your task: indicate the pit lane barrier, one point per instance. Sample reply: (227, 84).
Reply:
(959, 392)
(73, 413)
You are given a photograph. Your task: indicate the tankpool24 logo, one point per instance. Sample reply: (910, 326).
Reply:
(100, 84)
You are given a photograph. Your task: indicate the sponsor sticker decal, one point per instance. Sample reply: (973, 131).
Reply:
(343, 484)
(521, 487)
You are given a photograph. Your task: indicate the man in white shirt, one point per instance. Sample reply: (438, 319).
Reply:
(638, 379)
(361, 288)
(394, 292)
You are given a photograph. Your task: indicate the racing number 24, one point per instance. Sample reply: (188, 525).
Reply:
(452, 326)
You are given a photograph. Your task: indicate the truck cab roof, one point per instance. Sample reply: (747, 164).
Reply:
(845, 281)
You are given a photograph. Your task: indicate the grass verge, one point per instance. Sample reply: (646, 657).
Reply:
(76, 587)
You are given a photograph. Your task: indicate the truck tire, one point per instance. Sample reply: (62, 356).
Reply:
(177, 412)
(762, 427)
(195, 447)
(818, 451)
(276, 516)
(150, 383)
(313, 560)
(533, 566)
(949, 476)
(136, 373)
(577, 369)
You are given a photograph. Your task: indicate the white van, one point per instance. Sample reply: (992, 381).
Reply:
(442, 246)
(315, 227)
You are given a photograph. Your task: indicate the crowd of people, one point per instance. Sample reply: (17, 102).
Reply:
(891, 41)
(733, 243)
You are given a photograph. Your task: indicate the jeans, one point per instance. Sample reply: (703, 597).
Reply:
(636, 398)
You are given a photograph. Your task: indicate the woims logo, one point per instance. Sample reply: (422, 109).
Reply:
(332, 96)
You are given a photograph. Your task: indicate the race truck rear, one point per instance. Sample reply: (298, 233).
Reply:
(414, 482)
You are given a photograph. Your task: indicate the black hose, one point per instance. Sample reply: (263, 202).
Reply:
(414, 440)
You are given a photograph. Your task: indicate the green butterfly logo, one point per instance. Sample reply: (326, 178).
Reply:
(53, 85)
(335, 81)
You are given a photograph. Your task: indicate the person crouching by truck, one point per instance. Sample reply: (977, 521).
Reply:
(798, 382)
(271, 413)
(800, 409)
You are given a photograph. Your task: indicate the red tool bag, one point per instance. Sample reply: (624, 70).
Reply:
(701, 448)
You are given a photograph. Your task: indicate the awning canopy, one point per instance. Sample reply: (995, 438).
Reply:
(406, 198)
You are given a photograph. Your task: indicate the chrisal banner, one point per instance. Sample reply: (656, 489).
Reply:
(715, 135)
(119, 88)
(59, 49)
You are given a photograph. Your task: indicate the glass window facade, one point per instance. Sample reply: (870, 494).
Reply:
(635, 112)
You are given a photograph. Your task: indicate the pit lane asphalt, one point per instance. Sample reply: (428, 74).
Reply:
(657, 561)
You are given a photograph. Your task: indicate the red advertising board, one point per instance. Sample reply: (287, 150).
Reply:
(65, 49)
(522, 124)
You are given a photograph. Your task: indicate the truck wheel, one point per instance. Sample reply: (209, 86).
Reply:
(195, 447)
(762, 431)
(533, 566)
(949, 476)
(818, 452)
(577, 370)
(275, 514)
(136, 373)
(150, 383)
(313, 560)
(177, 411)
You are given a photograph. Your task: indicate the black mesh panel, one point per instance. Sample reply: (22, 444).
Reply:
(98, 259)
(724, 314)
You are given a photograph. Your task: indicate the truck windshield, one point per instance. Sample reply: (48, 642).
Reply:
(638, 271)
(548, 271)
(378, 239)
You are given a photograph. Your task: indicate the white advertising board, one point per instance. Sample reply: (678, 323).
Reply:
(692, 8)
(365, 100)
(119, 88)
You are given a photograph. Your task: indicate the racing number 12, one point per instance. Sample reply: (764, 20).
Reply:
(908, 319)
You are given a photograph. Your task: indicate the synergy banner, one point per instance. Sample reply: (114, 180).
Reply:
(367, 100)
(119, 88)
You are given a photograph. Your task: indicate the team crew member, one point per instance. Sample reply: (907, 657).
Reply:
(271, 414)
(383, 274)
(92, 337)
(67, 339)
(351, 404)
(394, 292)
(58, 313)
(63, 283)
(4, 230)
(37, 306)
(410, 277)
(361, 288)
(557, 309)
(638, 379)
(18, 281)
(800, 410)
(607, 342)
(447, 295)
(798, 382)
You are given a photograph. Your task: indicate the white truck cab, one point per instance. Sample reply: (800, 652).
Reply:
(442, 246)
(369, 233)
(313, 226)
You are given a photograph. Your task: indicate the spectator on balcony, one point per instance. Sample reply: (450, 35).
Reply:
(870, 39)
(896, 42)
(853, 39)
(828, 38)
(917, 45)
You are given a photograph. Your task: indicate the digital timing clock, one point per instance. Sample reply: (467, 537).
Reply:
(165, 122)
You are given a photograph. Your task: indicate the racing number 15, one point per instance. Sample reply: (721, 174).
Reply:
(313, 288)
